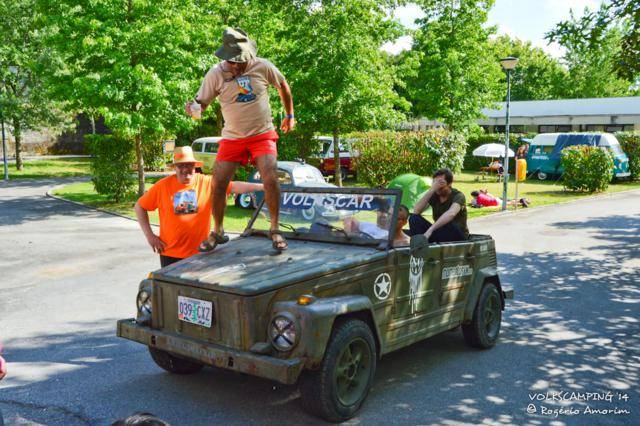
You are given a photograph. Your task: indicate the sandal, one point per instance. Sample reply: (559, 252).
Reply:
(279, 245)
(207, 245)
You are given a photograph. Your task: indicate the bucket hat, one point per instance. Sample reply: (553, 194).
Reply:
(184, 154)
(236, 46)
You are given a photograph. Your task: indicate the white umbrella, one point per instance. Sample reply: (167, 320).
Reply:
(491, 150)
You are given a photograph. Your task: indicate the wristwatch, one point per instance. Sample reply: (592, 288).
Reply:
(289, 116)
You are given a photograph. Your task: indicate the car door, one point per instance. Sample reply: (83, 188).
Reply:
(458, 264)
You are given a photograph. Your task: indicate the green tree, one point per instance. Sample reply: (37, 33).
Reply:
(538, 76)
(591, 66)
(339, 76)
(135, 62)
(594, 27)
(456, 77)
(24, 62)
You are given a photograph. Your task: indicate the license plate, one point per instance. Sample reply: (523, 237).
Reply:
(195, 311)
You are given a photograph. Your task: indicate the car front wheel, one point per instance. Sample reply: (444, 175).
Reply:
(484, 328)
(542, 176)
(338, 388)
(174, 364)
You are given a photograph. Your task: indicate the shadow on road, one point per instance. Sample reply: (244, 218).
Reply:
(573, 327)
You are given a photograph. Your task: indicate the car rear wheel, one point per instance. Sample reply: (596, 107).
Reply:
(542, 176)
(484, 328)
(338, 388)
(174, 364)
(244, 201)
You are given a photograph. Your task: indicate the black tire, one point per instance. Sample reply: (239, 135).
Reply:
(244, 201)
(320, 392)
(174, 364)
(484, 329)
(542, 176)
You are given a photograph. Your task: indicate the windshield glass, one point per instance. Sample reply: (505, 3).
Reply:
(616, 150)
(307, 174)
(348, 215)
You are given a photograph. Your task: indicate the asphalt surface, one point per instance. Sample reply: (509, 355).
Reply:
(68, 273)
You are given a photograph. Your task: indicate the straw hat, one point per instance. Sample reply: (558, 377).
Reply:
(236, 46)
(184, 154)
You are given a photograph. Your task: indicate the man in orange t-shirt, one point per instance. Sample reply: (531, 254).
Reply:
(183, 201)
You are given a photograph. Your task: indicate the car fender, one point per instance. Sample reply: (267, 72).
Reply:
(316, 320)
(489, 273)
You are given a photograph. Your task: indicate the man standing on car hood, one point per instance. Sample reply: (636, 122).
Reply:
(240, 83)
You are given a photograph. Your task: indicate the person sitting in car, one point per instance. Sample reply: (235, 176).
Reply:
(449, 211)
(380, 229)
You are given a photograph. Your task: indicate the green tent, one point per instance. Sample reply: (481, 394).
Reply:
(413, 187)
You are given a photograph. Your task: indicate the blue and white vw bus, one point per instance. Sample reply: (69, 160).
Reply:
(543, 157)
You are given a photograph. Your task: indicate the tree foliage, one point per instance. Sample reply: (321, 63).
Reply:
(134, 62)
(538, 76)
(456, 77)
(594, 29)
(340, 79)
(25, 102)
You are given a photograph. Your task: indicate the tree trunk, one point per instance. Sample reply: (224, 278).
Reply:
(336, 158)
(140, 162)
(17, 135)
(93, 124)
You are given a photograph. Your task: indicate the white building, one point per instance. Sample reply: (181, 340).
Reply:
(566, 115)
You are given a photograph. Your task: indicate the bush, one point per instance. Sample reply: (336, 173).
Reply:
(385, 155)
(474, 141)
(630, 144)
(586, 168)
(112, 158)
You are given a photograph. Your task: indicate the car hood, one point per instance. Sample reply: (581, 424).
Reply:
(249, 266)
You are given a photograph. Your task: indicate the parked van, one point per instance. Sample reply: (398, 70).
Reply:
(205, 150)
(325, 162)
(543, 157)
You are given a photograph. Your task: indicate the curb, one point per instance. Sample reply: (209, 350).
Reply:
(76, 203)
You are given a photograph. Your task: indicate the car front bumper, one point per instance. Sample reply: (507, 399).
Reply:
(281, 370)
(623, 174)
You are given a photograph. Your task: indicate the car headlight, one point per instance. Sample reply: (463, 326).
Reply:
(283, 332)
(143, 302)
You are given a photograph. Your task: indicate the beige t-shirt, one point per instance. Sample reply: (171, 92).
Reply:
(244, 99)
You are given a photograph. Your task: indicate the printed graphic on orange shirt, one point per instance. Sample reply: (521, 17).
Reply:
(245, 91)
(185, 202)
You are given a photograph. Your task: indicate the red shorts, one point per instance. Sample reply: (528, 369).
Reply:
(245, 149)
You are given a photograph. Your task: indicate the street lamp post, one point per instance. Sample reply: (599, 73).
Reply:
(508, 64)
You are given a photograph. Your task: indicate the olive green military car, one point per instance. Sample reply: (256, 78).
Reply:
(322, 313)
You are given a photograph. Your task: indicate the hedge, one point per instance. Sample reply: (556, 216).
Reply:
(630, 144)
(586, 168)
(110, 165)
(385, 155)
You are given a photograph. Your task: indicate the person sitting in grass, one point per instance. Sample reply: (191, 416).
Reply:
(482, 198)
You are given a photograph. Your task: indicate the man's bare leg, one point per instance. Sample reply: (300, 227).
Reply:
(222, 174)
(267, 165)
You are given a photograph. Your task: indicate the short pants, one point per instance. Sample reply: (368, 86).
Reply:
(248, 149)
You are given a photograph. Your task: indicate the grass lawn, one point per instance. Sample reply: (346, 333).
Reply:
(52, 168)
(539, 192)
(235, 218)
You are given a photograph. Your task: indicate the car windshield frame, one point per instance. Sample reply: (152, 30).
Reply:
(331, 237)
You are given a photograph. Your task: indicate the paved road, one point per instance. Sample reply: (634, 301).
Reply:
(69, 273)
